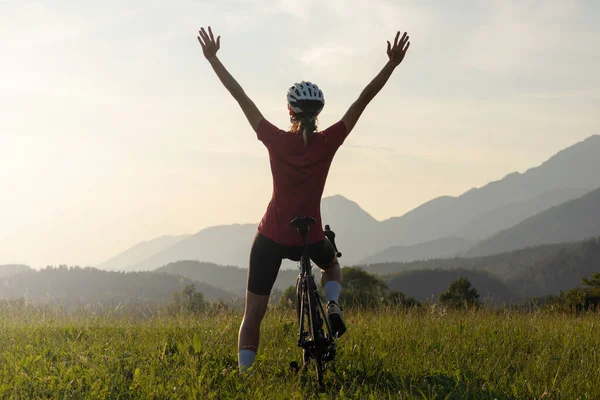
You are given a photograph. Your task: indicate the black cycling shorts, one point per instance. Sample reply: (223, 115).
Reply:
(266, 256)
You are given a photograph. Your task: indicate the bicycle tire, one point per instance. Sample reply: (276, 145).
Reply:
(315, 329)
(298, 298)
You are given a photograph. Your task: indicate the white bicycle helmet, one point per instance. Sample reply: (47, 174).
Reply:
(305, 97)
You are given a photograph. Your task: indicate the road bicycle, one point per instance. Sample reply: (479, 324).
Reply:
(317, 344)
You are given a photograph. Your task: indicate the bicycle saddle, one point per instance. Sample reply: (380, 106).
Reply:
(302, 223)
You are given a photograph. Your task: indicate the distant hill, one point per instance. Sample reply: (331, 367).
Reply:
(230, 244)
(223, 276)
(504, 265)
(503, 278)
(356, 230)
(562, 272)
(571, 221)
(573, 167)
(230, 278)
(90, 285)
(440, 248)
(429, 284)
(508, 216)
(525, 273)
(140, 252)
(11, 269)
(475, 215)
(225, 245)
(508, 277)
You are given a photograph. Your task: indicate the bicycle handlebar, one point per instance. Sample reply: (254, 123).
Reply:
(331, 236)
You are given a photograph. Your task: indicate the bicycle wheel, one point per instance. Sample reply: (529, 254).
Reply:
(298, 298)
(303, 315)
(316, 328)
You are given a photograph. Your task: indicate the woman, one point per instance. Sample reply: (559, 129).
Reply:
(300, 160)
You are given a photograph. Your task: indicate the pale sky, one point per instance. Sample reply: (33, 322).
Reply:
(114, 128)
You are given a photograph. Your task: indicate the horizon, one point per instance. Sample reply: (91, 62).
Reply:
(284, 267)
(115, 123)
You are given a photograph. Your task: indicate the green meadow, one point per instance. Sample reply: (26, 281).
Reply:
(387, 353)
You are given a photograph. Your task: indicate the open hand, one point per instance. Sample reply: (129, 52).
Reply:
(397, 52)
(210, 46)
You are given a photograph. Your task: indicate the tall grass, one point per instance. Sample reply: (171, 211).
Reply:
(386, 353)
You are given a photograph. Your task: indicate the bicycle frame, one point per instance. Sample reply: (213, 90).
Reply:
(306, 282)
(320, 345)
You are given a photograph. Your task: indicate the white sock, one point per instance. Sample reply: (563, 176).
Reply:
(245, 358)
(333, 290)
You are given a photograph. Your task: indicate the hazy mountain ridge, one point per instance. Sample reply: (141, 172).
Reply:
(230, 244)
(355, 228)
(504, 265)
(483, 211)
(507, 216)
(140, 252)
(225, 245)
(483, 226)
(573, 167)
(439, 248)
(571, 221)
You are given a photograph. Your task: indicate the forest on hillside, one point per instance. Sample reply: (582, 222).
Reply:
(513, 276)
(79, 286)
(508, 278)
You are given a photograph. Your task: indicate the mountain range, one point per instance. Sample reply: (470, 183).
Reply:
(443, 227)
(140, 251)
(574, 168)
(438, 248)
(573, 220)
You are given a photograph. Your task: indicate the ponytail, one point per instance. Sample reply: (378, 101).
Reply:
(305, 124)
(309, 126)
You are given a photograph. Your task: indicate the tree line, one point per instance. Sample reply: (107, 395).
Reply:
(363, 289)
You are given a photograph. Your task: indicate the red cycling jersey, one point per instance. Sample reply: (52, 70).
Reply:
(299, 175)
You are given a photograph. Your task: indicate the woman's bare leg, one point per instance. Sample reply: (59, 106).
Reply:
(331, 272)
(332, 283)
(256, 306)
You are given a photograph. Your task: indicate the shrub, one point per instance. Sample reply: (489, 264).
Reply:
(460, 294)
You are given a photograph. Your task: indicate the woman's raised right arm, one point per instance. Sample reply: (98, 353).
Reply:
(396, 54)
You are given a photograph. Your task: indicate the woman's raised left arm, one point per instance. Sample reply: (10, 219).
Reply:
(210, 46)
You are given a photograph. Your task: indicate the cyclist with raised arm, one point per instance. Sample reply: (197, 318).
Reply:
(300, 160)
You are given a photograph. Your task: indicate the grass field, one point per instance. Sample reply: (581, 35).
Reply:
(411, 354)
